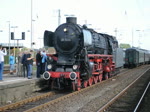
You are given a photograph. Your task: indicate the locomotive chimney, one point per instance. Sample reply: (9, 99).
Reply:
(71, 20)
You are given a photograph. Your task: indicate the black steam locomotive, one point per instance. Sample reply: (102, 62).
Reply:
(83, 56)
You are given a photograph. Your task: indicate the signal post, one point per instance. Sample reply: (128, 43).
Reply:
(18, 68)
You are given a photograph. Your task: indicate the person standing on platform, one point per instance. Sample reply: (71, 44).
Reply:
(24, 62)
(30, 63)
(12, 63)
(38, 64)
(2, 54)
(44, 59)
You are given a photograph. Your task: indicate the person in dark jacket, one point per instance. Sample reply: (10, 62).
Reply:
(29, 64)
(24, 62)
(38, 64)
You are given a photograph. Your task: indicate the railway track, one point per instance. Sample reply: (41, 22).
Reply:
(13, 106)
(39, 108)
(55, 100)
(127, 99)
(25, 103)
(140, 107)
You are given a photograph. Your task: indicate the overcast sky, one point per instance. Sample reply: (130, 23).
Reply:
(130, 18)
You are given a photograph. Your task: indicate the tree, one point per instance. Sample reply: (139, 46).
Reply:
(125, 46)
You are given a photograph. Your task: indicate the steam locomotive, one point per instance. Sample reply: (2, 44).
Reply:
(83, 56)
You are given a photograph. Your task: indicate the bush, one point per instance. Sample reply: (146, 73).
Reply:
(6, 59)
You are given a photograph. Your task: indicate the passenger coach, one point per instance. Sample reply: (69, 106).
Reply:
(135, 57)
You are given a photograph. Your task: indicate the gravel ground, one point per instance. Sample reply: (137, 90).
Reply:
(128, 101)
(94, 98)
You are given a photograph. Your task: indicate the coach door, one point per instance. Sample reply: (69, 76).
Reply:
(136, 57)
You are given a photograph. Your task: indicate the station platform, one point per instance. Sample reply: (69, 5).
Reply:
(11, 79)
(15, 88)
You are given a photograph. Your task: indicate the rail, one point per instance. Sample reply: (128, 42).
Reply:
(40, 107)
(23, 102)
(141, 99)
(102, 109)
(44, 105)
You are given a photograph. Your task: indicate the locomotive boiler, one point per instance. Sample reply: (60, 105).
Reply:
(83, 56)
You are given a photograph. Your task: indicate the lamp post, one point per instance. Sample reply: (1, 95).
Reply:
(31, 23)
(40, 41)
(32, 20)
(9, 36)
(139, 38)
(14, 39)
(116, 31)
(1, 30)
(33, 42)
(132, 36)
(59, 17)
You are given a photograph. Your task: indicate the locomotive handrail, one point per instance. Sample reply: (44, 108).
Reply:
(100, 55)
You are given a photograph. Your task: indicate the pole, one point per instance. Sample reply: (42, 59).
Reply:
(9, 36)
(31, 24)
(14, 45)
(18, 45)
(132, 36)
(18, 67)
(40, 41)
(14, 38)
(116, 31)
(59, 17)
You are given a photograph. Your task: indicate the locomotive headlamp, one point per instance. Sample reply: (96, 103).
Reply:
(46, 75)
(73, 75)
(49, 66)
(75, 67)
(65, 29)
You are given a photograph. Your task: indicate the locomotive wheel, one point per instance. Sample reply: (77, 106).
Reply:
(95, 79)
(90, 81)
(85, 84)
(100, 77)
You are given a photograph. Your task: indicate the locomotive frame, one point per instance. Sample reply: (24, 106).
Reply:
(104, 67)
